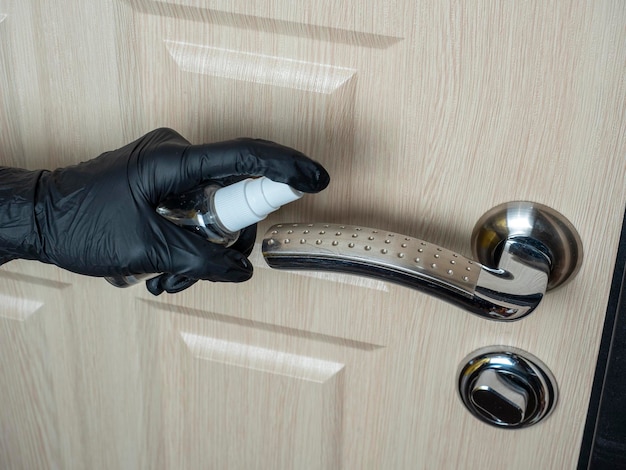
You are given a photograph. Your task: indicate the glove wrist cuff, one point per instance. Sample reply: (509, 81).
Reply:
(19, 232)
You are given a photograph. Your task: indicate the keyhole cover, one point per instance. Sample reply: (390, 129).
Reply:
(507, 387)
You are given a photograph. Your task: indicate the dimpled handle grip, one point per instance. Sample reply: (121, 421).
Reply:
(414, 263)
(371, 248)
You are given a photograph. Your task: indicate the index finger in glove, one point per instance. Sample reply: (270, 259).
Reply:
(252, 157)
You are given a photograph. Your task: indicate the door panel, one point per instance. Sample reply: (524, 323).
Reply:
(426, 115)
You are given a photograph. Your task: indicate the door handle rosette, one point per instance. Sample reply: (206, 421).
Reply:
(522, 249)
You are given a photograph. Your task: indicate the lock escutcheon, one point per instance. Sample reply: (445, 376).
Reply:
(507, 387)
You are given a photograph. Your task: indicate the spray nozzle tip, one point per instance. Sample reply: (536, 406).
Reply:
(249, 201)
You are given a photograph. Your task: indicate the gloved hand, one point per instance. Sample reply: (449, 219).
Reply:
(98, 217)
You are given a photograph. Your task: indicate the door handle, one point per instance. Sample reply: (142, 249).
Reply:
(522, 249)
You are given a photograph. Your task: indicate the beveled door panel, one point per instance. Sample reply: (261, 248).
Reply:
(426, 114)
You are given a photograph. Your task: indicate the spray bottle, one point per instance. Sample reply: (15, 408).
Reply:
(219, 213)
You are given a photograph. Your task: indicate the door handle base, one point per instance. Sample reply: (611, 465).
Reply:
(536, 223)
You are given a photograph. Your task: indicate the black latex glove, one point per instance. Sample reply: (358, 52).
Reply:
(98, 217)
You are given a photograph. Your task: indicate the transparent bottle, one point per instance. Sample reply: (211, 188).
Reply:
(219, 213)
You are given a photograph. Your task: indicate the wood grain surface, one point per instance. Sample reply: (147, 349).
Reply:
(426, 114)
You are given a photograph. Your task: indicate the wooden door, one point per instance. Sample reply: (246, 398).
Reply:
(426, 113)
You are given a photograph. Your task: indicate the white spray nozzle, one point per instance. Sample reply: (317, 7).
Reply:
(249, 201)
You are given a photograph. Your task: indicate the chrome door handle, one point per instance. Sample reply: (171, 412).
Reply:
(522, 250)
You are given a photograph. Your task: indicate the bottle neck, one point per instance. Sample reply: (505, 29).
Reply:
(214, 230)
